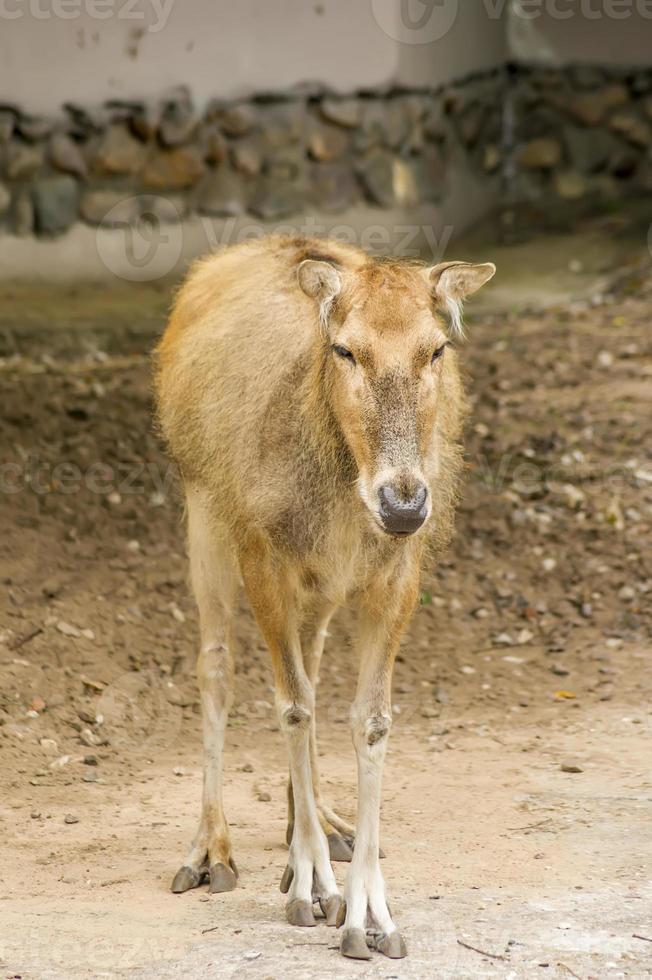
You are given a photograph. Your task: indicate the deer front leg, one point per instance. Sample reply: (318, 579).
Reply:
(338, 832)
(308, 876)
(368, 922)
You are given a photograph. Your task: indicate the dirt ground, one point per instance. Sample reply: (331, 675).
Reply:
(517, 813)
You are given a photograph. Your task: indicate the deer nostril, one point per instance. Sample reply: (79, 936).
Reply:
(401, 516)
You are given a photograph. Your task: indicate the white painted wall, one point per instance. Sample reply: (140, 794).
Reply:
(594, 32)
(53, 51)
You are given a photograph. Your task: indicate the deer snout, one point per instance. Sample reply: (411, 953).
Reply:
(401, 515)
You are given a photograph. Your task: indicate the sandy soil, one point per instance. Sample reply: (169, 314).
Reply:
(528, 657)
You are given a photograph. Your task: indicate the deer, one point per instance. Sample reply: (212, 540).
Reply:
(312, 399)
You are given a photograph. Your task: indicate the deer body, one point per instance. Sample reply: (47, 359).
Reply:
(304, 391)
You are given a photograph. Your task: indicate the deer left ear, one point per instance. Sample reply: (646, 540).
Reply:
(451, 282)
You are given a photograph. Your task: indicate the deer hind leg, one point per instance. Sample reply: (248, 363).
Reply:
(367, 921)
(339, 833)
(214, 576)
(308, 876)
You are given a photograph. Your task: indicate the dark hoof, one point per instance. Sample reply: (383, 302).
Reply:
(185, 879)
(354, 945)
(338, 848)
(289, 834)
(341, 915)
(392, 946)
(299, 913)
(331, 908)
(222, 879)
(286, 880)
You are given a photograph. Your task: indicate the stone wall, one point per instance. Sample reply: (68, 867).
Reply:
(270, 157)
(562, 140)
(582, 138)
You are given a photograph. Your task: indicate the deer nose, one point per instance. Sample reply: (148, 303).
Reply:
(400, 516)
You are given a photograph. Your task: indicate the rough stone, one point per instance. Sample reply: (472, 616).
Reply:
(119, 152)
(246, 157)
(22, 216)
(288, 163)
(388, 180)
(96, 205)
(173, 169)
(234, 120)
(214, 147)
(86, 122)
(635, 130)
(23, 160)
(342, 112)
(7, 122)
(586, 77)
(146, 119)
(55, 202)
(435, 124)
(589, 149)
(222, 194)
(471, 124)
(540, 154)
(590, 108)
(66, 155)
(179, 121)
(492, 158)
(33, 128)
(327, 143)
(167, 209)
(429, 172)
(5, 199)
(273, 200)
(284, 125)
(396, 124)
(334, 187)
(377, 173)
(570, 185)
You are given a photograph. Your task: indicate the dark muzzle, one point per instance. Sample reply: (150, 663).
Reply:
(400, 516)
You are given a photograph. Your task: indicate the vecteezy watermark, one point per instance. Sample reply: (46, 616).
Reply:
(415, 21)
(151, 15)
(427, 21)
(150, 239)
(65, 478)
(141, 239)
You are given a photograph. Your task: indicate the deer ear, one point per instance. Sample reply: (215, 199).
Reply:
(322, 282)
(451, 282)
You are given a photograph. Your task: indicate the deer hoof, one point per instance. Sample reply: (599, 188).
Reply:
(354, 945)
(185, 879)
(286, 880)
(299, 913)
(222, 879)
(331, 908)
(392, 945)
(338, 848)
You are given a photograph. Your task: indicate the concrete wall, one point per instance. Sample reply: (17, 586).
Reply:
(53, 51)
(595, 32)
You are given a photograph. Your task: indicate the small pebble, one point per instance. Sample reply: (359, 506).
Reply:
(67, 629)
(570, 767)
(70, 818)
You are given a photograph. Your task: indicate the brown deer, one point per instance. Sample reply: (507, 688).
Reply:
(311, 399)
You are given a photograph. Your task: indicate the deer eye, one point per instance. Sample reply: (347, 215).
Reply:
(438, 353)
(344, 353)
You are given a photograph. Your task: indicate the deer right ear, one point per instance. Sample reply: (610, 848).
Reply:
(322, 282)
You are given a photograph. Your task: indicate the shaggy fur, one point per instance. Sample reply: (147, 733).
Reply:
(297, 378)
